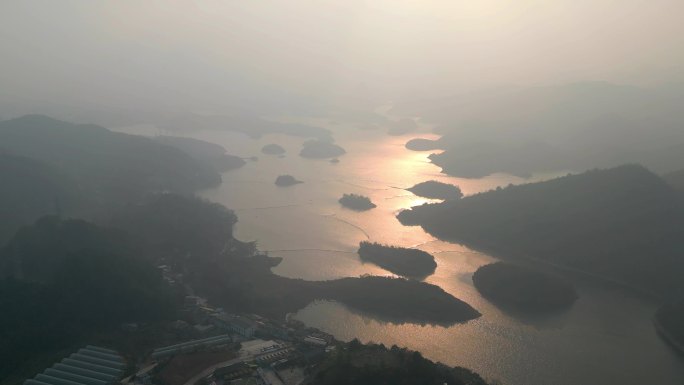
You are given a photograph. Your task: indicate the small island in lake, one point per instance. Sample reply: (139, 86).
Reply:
(411, 263)
(523, 288)
(286, 180)
(319, 149)
(421, 144)
(436, 190)
(273, 149)
(356, 202)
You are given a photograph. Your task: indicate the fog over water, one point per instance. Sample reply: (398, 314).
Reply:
(604, 332)
(127, 60)
(586, 95)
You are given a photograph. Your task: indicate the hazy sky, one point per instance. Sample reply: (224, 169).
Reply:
(209, 54)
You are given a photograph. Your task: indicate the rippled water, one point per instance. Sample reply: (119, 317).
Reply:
(605, 338)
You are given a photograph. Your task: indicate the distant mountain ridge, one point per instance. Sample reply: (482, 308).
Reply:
(577, 126)
(50, 165)
(252, 126)
(211, 154)
(112, 162)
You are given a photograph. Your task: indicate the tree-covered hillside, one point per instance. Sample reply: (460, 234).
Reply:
(31, 189)
(106, 164)
(624, 223)
(576, 126)
(210, 154)
(180, 229)
(669, 320)
(75, 279)
(372, 364)
(676, 179)
(49, 166)
(37, 252)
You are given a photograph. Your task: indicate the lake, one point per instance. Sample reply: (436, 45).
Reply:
(605, 338)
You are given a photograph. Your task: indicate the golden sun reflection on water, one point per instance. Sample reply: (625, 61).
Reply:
(318, 239)
(418, 201)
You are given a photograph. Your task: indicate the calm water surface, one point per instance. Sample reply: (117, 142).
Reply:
(605, 338)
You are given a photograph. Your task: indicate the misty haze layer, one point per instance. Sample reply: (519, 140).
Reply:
(359, 192)
(142, 61)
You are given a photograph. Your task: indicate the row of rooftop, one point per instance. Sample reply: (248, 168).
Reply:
(92, 365)
(248, 325)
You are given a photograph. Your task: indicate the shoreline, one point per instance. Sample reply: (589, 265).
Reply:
(493, 252)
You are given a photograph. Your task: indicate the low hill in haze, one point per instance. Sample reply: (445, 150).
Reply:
(477, 160)
(250, 125)
(176, 227)
(36, 252)
(72, 279)
(433, 189)
(669, 321)
(64, 280)
(107, 164)
(422, 144)
(623, 223)
(576, 126)
(211, 154)
(371, 364)
(319, 149)
(31, 189)
(195, 237)
(357, 202)
(675, 179)
(410, 263)
(402, 126)
(286, 180)
(49, 166)
(523, 288)
(273, 149)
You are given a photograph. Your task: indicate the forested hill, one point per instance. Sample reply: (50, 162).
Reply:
(676, 179)
(210, 154)
(87, 279)
(175, 227)
(31, 189)
(49, 166)
(37, 252)
(575, 126)
(357, 364)
(624, 223)
(107, 163)
(73, 279)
